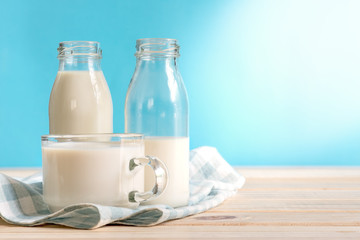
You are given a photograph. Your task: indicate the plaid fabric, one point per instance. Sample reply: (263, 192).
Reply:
(212, 180)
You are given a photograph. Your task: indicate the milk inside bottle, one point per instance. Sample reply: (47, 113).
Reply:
(80, 100)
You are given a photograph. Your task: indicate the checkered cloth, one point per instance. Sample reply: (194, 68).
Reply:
(212, 180)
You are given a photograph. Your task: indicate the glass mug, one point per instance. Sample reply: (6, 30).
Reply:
(104, 169)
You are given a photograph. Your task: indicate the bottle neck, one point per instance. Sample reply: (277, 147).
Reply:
(79, 64)
(157, 63)
(79, 56)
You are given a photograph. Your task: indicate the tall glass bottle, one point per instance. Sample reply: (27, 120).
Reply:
(80, 100)
(157, 106)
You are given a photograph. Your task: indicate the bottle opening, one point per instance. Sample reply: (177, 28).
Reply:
(79, 48)
(157, 47)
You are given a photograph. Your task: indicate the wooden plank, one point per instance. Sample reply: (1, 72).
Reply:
(183, 232)
(186, 232)
(324, 200)
(291, 194)
(302, 184)
(268, 218)
(282, 205)
(300, 172)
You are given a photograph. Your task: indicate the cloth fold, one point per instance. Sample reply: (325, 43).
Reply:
(212, 180)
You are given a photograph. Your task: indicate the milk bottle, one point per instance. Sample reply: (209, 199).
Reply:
(157, 106)
(80, 100)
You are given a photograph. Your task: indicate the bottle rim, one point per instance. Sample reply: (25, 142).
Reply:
(89, 49)
(157, 47)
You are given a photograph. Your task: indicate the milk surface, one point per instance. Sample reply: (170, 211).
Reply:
(80, 103)
(174, 152)
(90, 173)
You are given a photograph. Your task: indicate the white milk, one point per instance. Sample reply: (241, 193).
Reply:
(80, 102)
(174, 152)
(95, 172)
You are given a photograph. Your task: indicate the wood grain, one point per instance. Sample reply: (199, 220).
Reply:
(275, 203)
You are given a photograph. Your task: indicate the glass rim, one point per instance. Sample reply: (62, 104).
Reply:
(157, 39)
(92, 135)
(79, 49)
(157, 48)
(82, 41)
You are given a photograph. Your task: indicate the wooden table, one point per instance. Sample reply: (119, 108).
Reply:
(277, 203)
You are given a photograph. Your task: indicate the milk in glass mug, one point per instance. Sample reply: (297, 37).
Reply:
(104, 169)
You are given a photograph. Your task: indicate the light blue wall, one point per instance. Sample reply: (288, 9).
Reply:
(269, 82)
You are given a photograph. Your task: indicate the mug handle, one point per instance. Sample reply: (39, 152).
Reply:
(161, 178)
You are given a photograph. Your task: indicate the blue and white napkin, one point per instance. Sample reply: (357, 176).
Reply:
(212, 180)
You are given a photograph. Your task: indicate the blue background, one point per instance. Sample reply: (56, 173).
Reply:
(269, 82)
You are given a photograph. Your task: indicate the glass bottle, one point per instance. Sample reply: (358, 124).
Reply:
(80, 100)
(157, 106)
